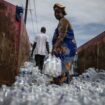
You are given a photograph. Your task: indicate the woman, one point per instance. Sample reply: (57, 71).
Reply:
(64, 45)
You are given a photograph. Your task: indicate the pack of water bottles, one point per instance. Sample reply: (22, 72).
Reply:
(52, 66)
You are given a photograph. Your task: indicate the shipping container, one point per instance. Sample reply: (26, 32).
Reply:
(14, 43)
(92, 54)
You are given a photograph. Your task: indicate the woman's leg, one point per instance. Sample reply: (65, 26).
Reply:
(65, 77)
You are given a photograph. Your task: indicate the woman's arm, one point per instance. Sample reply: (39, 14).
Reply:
(62, 31)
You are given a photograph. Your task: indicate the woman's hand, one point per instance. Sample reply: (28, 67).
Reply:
(53, 51)
(56, 50)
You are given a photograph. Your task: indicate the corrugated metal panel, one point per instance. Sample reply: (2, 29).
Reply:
(93, 41)
(91, 54)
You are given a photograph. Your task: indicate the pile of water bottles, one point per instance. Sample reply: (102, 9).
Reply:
(33, 88)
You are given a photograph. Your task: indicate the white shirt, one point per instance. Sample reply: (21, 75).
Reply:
(41, 40)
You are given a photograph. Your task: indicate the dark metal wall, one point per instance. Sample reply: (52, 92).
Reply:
(14, 43)
(92, 54)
